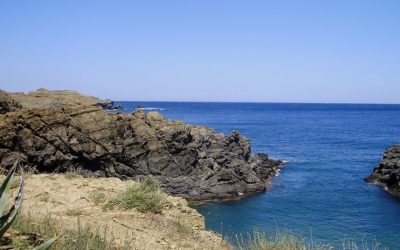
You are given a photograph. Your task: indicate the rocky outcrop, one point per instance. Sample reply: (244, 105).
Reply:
(43, 98)
(193, 162)
(7, 104)
(109, 105)
(387, 173)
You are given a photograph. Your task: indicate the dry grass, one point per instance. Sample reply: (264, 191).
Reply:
(176, 227)
(98, 197)
(287, 241)
(47, 227)
(73, 212)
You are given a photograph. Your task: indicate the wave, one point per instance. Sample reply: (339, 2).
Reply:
(151, 108)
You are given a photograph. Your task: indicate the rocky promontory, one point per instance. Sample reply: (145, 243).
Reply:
(387, 173)
(61, 131)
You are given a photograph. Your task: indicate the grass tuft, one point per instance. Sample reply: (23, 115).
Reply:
(79, 238)
(144, 196)
(97, 197)
(71, 175)
(288, 241)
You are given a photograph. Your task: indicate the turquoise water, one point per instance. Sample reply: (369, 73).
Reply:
(329, 149)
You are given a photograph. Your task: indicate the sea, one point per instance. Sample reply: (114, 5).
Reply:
(320, 194)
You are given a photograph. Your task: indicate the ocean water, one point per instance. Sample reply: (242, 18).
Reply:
(320, 193)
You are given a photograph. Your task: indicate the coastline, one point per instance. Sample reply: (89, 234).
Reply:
(63, 131)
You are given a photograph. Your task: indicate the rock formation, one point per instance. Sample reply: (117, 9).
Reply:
(43, 98)
(55, 134)
(387, 173)
(7, 104)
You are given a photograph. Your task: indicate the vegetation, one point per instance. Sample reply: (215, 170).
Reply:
(144, 196)
(7, 219)
(98, 197)
(71, 175)
(112, 136)
(288, 241)
(79, 238)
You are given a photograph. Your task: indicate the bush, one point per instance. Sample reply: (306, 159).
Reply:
(143, 196)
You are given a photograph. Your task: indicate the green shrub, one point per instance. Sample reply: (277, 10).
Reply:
(143, 196)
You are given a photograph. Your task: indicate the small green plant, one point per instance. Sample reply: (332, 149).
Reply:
(144, 196)
(71, 175)
(98, 197)
(112, 136)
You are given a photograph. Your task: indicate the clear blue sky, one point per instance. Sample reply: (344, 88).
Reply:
(205, 50)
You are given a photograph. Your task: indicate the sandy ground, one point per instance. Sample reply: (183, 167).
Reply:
(72, 199)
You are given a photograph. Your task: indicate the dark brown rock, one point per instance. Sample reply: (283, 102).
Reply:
(7, 104)
(387, 173)
(193, 162)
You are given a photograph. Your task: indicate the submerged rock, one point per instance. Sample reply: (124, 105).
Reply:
(387, 173)
(190, 161)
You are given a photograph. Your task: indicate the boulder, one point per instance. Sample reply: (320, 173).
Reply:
(387, 173)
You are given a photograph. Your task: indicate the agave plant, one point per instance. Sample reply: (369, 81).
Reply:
(8, 218)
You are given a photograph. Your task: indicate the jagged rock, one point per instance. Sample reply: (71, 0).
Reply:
(108, 105)
(387, 173)
(7, 104)
(193, 162)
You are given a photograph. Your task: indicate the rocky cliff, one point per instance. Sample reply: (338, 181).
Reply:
(54, 134)
(387, 173)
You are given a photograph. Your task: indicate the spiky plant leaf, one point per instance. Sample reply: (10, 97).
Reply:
(5, 187)
(7, 219)
(46, 244)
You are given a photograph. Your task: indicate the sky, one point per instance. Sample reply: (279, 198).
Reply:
(342, 51)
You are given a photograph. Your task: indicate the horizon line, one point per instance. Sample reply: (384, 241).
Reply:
(267, 102)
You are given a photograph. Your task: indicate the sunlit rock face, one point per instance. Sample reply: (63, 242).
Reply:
(193, 162)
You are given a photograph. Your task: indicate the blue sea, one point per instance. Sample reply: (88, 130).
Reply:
(320, 193)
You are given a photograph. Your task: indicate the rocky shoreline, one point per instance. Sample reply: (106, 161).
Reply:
(61, 131)
(387, 173)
